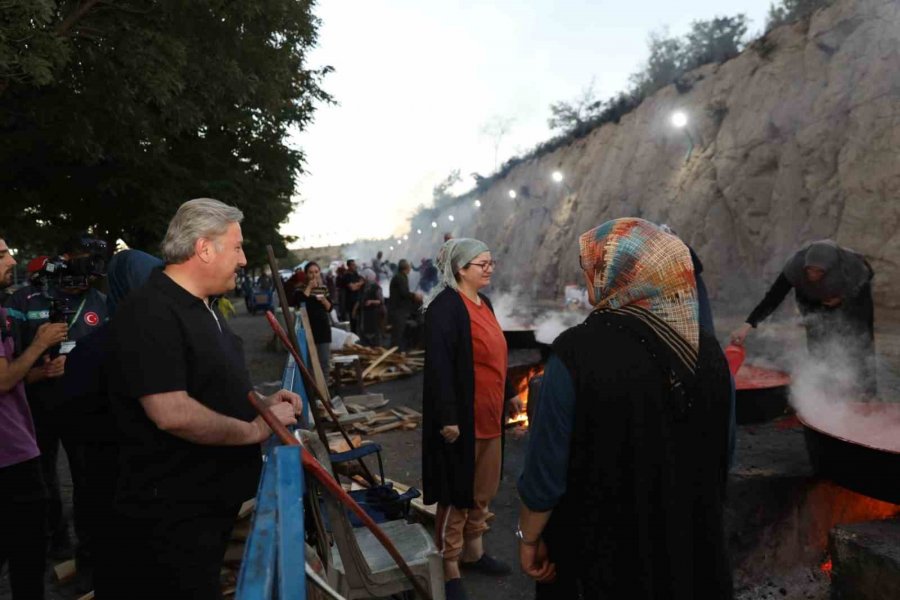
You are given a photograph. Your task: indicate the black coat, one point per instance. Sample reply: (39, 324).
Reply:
(448, 398)
(642, 516)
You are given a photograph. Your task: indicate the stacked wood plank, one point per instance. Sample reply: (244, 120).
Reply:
(380, 364)
(401, 417)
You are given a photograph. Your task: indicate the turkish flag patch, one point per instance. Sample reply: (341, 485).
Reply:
(91, 318)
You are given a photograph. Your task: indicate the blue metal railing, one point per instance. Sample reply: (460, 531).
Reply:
(274, 560)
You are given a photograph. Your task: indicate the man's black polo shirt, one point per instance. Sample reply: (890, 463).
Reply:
(164, 339)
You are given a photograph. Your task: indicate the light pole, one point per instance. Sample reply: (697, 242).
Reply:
(679, 120)
(559, 178)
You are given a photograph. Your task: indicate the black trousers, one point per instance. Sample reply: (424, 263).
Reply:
(52, 430)
(170, 552)
(398, 329)
(23, 510)
(97, 506)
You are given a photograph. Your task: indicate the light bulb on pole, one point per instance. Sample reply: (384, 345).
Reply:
(450, 217)
(478, 204)
(512, 194)
(434, 224)
(557, 176)
(679, 120)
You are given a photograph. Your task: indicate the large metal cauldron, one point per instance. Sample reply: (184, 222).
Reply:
(761, 394)
(858, 466)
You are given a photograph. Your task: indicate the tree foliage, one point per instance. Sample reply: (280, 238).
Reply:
(114, 119)
(711, 41)
(786, 11)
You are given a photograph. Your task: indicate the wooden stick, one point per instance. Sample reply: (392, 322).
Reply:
(308, 378)
(377, 362)
(332, 486)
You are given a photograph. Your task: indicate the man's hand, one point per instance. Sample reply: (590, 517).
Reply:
(739, 335)
(450, 433)
(285, 396)
(47, 370)
(50, 334)
(283, 411)
(536, 563)
(55, 367)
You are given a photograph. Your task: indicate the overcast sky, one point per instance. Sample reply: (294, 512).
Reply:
(417, 81)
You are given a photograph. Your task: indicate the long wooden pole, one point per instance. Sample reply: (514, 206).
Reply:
(311, 384)
(333, 487)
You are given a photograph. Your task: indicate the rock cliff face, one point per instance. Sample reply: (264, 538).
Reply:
(796, 139)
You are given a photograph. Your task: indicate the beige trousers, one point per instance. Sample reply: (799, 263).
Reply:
(455, 525)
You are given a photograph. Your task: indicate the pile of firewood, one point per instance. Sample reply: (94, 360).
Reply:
(380, 364)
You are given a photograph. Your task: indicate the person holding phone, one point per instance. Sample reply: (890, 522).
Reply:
(318, 303)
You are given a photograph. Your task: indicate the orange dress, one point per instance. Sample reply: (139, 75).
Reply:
(490, 357)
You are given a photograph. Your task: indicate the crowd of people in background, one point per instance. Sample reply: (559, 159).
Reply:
(378, 300)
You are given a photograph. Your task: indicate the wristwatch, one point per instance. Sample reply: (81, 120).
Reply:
(522, 539)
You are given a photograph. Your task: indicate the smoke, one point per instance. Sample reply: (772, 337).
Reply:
(828, 392)
(511, 310)
(514, 310)
(549, 326)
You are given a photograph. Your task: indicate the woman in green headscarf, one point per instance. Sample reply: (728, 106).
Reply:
(463, 408)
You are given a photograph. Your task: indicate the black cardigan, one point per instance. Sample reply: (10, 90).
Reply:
(448, 398)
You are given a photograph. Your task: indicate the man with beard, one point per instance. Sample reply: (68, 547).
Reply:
(60, 294)
(189, 439)
(23, 496)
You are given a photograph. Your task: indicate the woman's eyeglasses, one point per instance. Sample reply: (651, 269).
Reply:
(488, 264)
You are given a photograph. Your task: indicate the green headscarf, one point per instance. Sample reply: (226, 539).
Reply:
(454, 255)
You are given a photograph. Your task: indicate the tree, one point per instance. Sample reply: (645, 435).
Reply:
(575, 113)
(663, 66)
(714, 41)
(146, 105)
(787, 11)
(496, 129)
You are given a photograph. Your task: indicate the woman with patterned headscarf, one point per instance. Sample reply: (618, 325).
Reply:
(833, 287)
(463, 408)
(624, 479)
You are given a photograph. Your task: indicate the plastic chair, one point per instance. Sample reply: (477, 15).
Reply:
(362, 568)
(381, 502)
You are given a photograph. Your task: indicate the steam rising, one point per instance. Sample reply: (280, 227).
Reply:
(826, 393)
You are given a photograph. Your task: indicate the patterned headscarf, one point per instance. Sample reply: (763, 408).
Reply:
(635, 264)
(454, 255)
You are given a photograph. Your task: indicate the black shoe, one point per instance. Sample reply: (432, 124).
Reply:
(453, 590)
(488, 565)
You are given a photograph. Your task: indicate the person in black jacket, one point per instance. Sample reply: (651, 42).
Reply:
(88, 413)
(402, 303)
(833, 288)
(463, 409)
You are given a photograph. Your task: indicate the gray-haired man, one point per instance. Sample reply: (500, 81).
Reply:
(189, 439)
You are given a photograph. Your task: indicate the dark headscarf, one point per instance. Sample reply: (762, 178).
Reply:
(128, 270)
(846, 271)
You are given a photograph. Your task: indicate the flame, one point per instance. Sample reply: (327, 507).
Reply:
(825, 567)
(521, 419)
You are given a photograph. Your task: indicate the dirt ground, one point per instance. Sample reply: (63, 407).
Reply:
(402, 463)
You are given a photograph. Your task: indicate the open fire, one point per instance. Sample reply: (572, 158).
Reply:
(520, 378)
